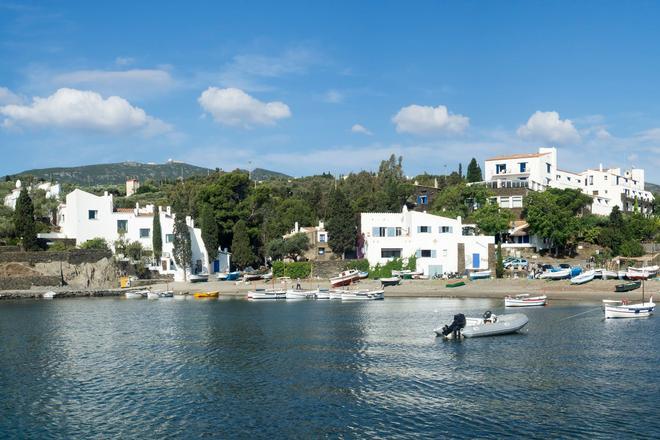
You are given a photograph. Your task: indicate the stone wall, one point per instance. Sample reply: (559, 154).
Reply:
(327, 269)
(74, 256)
(10, 249)
(26, 282)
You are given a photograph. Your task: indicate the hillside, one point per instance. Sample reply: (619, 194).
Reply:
(116, 173)
(652, 187)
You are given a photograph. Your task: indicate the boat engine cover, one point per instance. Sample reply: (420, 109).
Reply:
(459, 323)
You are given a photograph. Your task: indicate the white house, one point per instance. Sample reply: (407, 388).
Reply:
(85, 216)
(52, 192)
(437, 242)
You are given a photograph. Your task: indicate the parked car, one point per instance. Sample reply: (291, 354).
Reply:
(519, 263)
(565, 266)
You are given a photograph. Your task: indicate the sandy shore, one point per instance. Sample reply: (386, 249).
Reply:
(494, 288)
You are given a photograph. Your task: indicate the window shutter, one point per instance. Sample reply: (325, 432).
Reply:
(418, 253)
(433, 253)
(419, 229)
(391, 232)
(374, 232)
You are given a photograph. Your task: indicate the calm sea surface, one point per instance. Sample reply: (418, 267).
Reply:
(116, 368)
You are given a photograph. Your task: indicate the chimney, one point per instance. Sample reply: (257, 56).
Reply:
(600, 167)
(105, 194)
(321, 224)
(296, 228)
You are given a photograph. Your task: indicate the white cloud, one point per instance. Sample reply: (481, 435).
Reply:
(419, 119)
(86, 110)
(333, 97)
(547, 127)
(124, 61)
(234, 107)
(133, 82)
(357, 128)
(8, 97)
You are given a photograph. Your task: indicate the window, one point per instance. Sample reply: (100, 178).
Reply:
(446, 229)
(426, 253)
(322, 238)
(504, 202)
(390, 253)
(424, 229)
(169, 238)
(605, 177)
(500, 168)
(516, 202)
(548, 167)
(92, 214)
(558, 177)
(591, 180)
(398, 232)
(122, 226)
(422, 200)
(145, 232)
(379, 231)
(568, 178)
(444, 252)
(523, 167)
(321, 251)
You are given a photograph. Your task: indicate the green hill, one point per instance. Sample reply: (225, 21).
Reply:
(117, 173)
(652, 187)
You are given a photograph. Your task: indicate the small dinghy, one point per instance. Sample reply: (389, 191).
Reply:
(621, 309)
(627, 287)
(136, 294)
(481, 275)
(392, 281)
(49, 295)
(488, 325)
(213, 294)
(556, 275)
(336, 294)
(363, 295)
(198, 278)
(456, 284)
(322, 294)
(300, 294)
(525, 300)
(584, 277)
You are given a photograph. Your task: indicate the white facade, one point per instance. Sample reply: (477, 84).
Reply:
(52, 192)
(538, 171)
(86, 216)
(432, 239)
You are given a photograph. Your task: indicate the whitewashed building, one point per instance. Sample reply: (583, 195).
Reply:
(437, 242)
(85, 216)
(52, 192)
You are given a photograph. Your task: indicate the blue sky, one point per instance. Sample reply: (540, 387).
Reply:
(307, 87)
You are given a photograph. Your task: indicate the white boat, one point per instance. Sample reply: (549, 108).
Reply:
(345, 278)
(605, 274)
(641, 273)
(584, 277)
(49, 295)
(252, 276)
(556, 275)
(363, 295)
(480, 275)
(152, 295)
(620, 309)
(336, 294)
(198, 278)
(407, 274)
(221, 276)
(488, 325)
(322, 294)
(166, 294)
(300, 294)
(621, 274)
(136, 294)
(525, 300)
(266, 294)
(182, 295)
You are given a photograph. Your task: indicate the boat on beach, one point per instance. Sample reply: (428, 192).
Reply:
(407, 274)
(605, 274)
(627, 287)
(345, 278)
(556, 275)
(363, 295)
(364, 275)
(391, 281)
(212, 294)
(641, 273)
(266, 294)
(584, 277)
(198, 278)
(481, 275)
(455, 284)
(524, 300)
(49, 295)
(488, 325)
(152, 295)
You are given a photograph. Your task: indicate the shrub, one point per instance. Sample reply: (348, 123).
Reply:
(298, 269)
(631, 248)
(361, 265)
(278, 268)
(95, 243)
(59, 246)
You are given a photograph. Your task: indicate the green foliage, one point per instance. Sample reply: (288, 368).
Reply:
(385, 271)
(59, 246)
(460, 200)
(341, 225)
(362, 265)
(95, 243)
(134, 250)
(474, 171)
(631, 248)
(210, 232)
(7, 225)
(24, 222)
(492, 219)
(298, 269)
(292, 247)
(241, 251)
(182, 243)
(157, 236)
(499, 265)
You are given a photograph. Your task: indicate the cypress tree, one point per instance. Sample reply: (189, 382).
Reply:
(499, 268)
(157, 240)
(474, 171)
(182, 244)
(24, 222)
(341, 224)
(241, 251)
(210, 232)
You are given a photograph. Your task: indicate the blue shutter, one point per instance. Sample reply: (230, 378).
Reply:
(391, 232)
(419, 229)
(418, 253)
(375, 232)
(433, 253)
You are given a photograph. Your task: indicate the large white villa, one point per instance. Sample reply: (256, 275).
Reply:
(437, 242)
(52, 192)
(609, 187)
(85, 216)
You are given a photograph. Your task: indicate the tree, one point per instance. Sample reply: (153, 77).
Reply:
(341, 224)
(24, 222)
(291, 247)
(474, 171)
(460, 170)
(97, 243)
(134, 250)
(210, 232)
(241, 251)
(492, 219)
(157, 240)
(499, 267)
(182, 244)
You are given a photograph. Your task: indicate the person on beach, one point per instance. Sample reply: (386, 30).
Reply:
(298, 286)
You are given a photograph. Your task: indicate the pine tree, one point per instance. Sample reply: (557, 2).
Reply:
(341, 224)
(474, 171)
(241, 251)
(460, 170)
(24, 222)
(157, 240)
(210, 232)
(182, 244)
(499, 268)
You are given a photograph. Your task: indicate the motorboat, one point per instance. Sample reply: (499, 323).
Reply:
(49, 295)
(363, 295)
(222, 276)
(136, 294)
(524, 300)
(336, 294)
(575, 270)
(621, 274)
(252, 276)
(391, 281)
(556, 275)
(641, 273)
(213, 294)
(152, 295)
(488, 325)
(300, 294)
(198, 278)
(232, 276)
(584, 277)
(322, 294)
(267, 276)
(166, 294)
(621, 309)
(345, 278)
(480, 275)
(627, 287)
(363, 274)
(266, 294)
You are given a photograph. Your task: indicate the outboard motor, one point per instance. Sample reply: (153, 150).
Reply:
(455, 327)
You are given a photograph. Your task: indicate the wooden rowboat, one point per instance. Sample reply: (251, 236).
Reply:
(206, 294)
(456, 284)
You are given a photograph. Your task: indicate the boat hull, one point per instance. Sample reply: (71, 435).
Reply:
(628, 311)
(627, 287)
(476, 328)
(266, 295)
(537, 301)
(388, 282)
(583, 278)
(457, 284)
(363, 296)
(483, 275)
